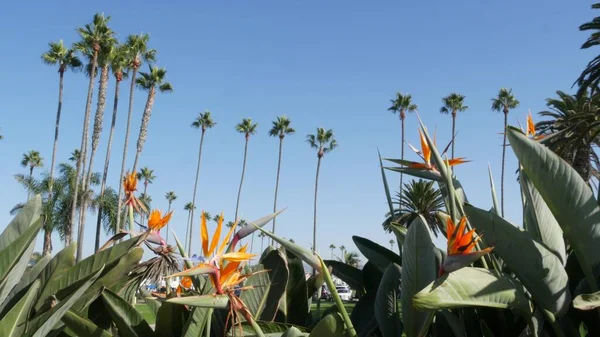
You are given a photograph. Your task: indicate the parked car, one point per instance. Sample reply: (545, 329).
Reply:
(326, 294)
(345, 293)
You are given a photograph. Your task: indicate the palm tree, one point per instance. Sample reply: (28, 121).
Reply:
(391, 244)
(229, 224)
(505, 101)
(217, 218)
(342, 250)
(402, 104)
(65, 58)
(118, 65)
(453, 104)
(146, 175)
(203, 122)
(281, 128)
(261, 235)
(247, 128)
(574, 123)
(32, 159)
(420, 197)
(146, 200)
(188, 207)
(590, 77)
(137, 51)
(351, 259)
(1, 136)
(150, 81)
(170, 196)
(324, 142)
(332, 247)
(93, 35)
(207, 216)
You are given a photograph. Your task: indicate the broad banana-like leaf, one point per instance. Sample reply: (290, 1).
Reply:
(418, 270)
(539, 269)
(267, 287)
(542, 224)
(268, 328)
(42, 324)
(386, 187)
(400, 232)
(347, 273)
(170, 320)
(27, 216)
(202, 301)
(32, 274)
(303, 253)
(419, 173)
(127, 319)
(331, 325)
(380, 256)
(80, 326)
(472, 287)
(14, 322)
(294, 307)
(386, 306)
(294, 332)
(568, 197)
(587, 301)
(363, 315)
(493, 190)
(196, 323)
(247, 230)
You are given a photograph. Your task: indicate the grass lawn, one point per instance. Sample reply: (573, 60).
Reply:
(149, 317)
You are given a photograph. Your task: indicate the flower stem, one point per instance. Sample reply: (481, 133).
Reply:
(337, 299)
(255, 327)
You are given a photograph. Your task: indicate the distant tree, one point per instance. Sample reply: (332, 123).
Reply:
(32, 159)
(453, 104)
(332, 247)
(391, 244)
(247, 128)
(401, 105)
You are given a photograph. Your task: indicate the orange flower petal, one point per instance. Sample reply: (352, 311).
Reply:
(204, 234)
(227, 237)
(416, 165)
(237, 256)
(216, 237)
(530, 125)
(425, 148)
(456, 161)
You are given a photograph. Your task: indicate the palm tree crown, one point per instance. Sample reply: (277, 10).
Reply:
(64, 57)
(453, 103)
(188, 206)
(170, 196)
(156, 77)
(96, 35)
(323, 141)
(32, 159)
(247, 127)
(505, 101)
(402, 104)
(281, 127)
(203, 121)
(207, 216)
(119, 63)
(147, 175)
(138, 51)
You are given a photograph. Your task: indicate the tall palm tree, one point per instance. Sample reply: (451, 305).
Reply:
(217, 218)
(332, 247)
(453, 104)
(1, 136)
(32, 159)
(420, 197)
(505, 101)
(93, 35)
(203, 122)
(137, 51)
(150, 81)
(342, 250)
(391, 244)
(281, 128)
(574, 122)
(351, 259)
(261, 235)
(229, 224)
(147, 176)
(402, 104)
(146, 200)
(188, 207)
(119, 66)
(324, 142)
(65, 58)
(247, 128)
(170, 196)
(590, 77)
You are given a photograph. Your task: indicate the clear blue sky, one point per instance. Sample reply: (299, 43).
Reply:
(332, 64)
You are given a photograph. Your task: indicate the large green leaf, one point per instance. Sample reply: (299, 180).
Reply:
(65, 281)
(28, 215)
(380, 256)
(32, 274)
(347, 273)
(538, 268)
(472, 287)
(268, 328)
(587, 301)
(127, 319)
(386, 187)
(418, 270)
(542, 224)
(14, 259)
(568, 197)
(331, 325)
(84, 327)
(299, 251)
(294, 332)
(419, 173)
(60, 263)
(202, 301)
(170, 320)
(493, 190)
(14, 322)
(386, 306)
(267, 287)
(363, 315)
(42, 324)
(196, 323)
(293, 307)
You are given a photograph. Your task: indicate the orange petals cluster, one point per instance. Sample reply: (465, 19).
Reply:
(130, 186)
(426, 156)
(461, 246)
(156, 221)
(531, 128)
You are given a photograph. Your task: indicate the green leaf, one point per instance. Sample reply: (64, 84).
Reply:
(472, 287)
(83, 326)
(196, 323)
(294, 332)
(371, 277)
(170, 320)
(386, 306)
(293, 307)
(400, 232)
(336, 298)
(303, 253)
(153, 305)
(568, 197)
(14, 322)
(587, 301)
(202, 301)
(268, 287)
(247, 230)
(380, 256)
(363, 315)
(419, 173)
(539, 269)
(386, 187)
(42, 324)
(32, 274)
(542, 224)
(418, 270)
(60, 263)
(28, 215)
(331, 325)
(493, 190)
(347, 273)
(127, 319)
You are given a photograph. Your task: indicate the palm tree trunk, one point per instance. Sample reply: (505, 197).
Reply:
(142, 218)
(503, 163)
(187, 234)
(453, 125)
(581, 162)
(191, 221)
(80, 161)
(144, 126)
(277, 184)
(30, 178)
(47, 250)
(124, 160)
(237, 206)
(262, 239)
(315, 210)
(402, 117)
(98, 119)
(167, 241)
(56, 127)
(106, 163)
